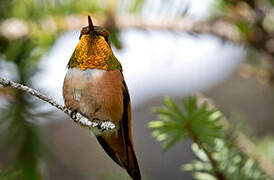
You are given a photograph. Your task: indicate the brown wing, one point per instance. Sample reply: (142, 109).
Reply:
(132, 163)
(120, 147)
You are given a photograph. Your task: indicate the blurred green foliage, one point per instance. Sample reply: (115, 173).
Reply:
(213, 143)
(253, 22)
(232, 162)
(9, 175)
(264, 148)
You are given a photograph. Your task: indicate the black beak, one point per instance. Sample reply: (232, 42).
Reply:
(90, 24)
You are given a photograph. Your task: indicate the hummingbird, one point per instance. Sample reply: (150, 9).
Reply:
(94, 86)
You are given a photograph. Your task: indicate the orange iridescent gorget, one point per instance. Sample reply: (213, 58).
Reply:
(97, 54)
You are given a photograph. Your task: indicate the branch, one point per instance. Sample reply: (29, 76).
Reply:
(218, 174)
(75, 116)
(242, 142)
(219, 27)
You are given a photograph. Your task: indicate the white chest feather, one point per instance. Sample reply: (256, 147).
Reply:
(79, 79)
(88, 74)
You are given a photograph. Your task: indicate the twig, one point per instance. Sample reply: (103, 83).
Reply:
(219, 175)
(242, 142)
(76, 116)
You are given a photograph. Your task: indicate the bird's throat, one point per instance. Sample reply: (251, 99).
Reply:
(93, 52)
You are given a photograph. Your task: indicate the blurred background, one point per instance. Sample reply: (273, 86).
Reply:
(221, 48)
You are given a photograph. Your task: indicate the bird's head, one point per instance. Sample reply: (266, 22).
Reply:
(95, 31)
(93, 50)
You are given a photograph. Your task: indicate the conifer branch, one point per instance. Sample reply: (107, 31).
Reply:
(75, 116)
(219, 155)
(212, 161)
(242, 142)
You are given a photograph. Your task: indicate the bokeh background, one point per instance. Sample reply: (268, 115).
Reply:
(221, 48)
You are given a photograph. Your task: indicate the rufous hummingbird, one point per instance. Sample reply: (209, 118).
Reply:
(95, 87)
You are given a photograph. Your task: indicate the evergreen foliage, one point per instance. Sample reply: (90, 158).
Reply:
(218, 155)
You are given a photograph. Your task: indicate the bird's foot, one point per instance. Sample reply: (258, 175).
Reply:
(73, 115)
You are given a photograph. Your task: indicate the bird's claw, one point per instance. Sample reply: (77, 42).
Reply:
(73, 115)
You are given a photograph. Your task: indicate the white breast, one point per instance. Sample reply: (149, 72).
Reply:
(77, 81)
(88, 74)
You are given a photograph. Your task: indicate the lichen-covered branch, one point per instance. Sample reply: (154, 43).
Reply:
(76, 116)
